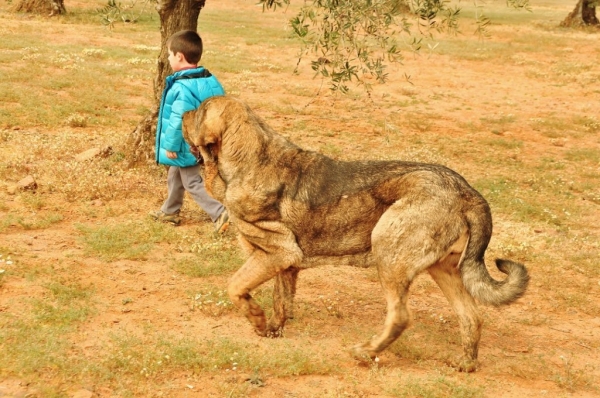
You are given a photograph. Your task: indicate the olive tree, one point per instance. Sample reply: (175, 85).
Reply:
(50, 7)
(583, 14)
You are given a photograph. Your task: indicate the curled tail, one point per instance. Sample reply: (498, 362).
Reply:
(474, 274)
(488, 290)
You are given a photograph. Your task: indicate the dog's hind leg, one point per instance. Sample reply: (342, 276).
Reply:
(410, 236)
(397, 319)
(447, 276)
(283, 300)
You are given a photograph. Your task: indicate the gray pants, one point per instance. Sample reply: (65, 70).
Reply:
(181, 179)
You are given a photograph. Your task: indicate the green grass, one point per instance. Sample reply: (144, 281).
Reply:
(590, 155)
(67, 68)
(131, 240)
(435, 387)
(221, 262)
(34, 343)
(136, 358)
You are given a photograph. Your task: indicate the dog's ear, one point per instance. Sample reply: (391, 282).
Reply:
(188, 127)
(211, 122)
(211, 125)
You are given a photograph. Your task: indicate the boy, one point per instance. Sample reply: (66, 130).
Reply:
(185, 89)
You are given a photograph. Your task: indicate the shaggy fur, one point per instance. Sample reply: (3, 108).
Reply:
(296, 209)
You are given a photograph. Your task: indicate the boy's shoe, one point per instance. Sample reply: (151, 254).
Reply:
(164, 217)
(222, 222)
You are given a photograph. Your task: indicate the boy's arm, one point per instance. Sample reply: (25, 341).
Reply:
(173, 133)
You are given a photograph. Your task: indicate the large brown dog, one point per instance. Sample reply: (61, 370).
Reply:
(296, 209)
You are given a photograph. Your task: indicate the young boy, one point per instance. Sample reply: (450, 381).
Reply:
(185, 89)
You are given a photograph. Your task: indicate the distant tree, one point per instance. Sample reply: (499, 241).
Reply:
(583, 14)
(50, 7)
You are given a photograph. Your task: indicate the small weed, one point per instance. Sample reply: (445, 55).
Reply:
(502, 119)
(504, 143)
(571, 378)
(32, 200)
(332, 306)
(76, 120)
(42, 222)
(212, 303)
(422, 122)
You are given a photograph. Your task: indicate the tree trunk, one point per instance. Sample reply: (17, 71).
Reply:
(175, 15)
(583, 14)
(50, 7)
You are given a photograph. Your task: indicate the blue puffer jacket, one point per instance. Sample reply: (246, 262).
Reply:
(184, 91)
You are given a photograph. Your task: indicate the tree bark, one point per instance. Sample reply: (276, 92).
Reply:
(50, 7)
(583, 14)
(175, 15)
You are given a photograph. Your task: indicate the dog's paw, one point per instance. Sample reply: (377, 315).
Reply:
(464, 364)
(362, 354)
(274, 333)
(262, 332)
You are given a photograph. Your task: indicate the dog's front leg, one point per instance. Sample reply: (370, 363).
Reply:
(283, 300)
(273, 250)
(252, 274)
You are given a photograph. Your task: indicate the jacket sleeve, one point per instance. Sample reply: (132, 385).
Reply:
(173, 136)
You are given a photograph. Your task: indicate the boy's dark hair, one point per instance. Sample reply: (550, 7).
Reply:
(187, 42)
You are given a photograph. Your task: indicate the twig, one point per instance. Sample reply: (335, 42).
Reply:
(559, 330)
(583, 345)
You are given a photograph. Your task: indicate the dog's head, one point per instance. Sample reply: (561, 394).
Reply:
(207, 129)
(206, 126)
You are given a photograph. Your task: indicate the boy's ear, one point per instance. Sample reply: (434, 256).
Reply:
(180, 57)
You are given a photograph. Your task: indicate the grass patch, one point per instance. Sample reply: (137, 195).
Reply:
(37, 221)
(34, 343)
(133, 356)
(67, 68)
(213, 300)
(69, 303)
(133, 359)
(131, 241)
(214, 257)
(591, 155)
(438, 387)
(220, 263)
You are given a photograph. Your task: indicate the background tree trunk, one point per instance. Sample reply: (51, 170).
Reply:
(583, 14)
(175, 15)
(50, 7)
